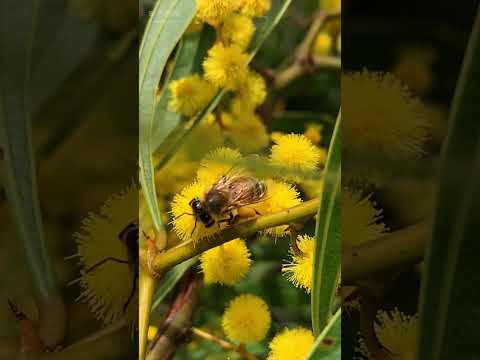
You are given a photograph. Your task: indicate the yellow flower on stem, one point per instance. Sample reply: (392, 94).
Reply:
(300, 270)
(189, 95)
(291, 344)
(297, 153)
(226, 66)
(226, 264)
(108, 285)
(280, 196)
(214, 12)
(251, 92)
(256, 8)
(360, 219)
(219, 162)
(247, 319)
(323, 44)
(237, 29)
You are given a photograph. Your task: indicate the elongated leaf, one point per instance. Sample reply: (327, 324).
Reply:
(170, 279)
(264, 29)
(188, 61)
(327, 258)
(168, 22)
(328, 344)
(448, 323)
(16, 145)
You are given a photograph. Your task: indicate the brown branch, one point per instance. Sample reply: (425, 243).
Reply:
(223, 343)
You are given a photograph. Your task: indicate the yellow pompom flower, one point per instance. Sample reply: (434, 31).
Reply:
(300, 270)
(247, 319)
(190, 95)
(237, 29)
(323, 44)
(226, 264)
(313, 132)
(219, 162)
(108, 286)
(226, 66)
(247, 131)
(382, 117)
(251, 92)
(256, 7)
(280, 196)
(360, 219)
(184, 223)
(291, 344)
(396, 332)
(297, 153)
(214, 12)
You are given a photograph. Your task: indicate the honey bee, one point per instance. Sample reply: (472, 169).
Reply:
(129, 237)
(229, 193)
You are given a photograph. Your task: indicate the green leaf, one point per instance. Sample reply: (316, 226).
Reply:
(16, 142)
(171, 278)
(328, 344)
(265, 26)
(448, 323)
(188, 60)
(168, 22)
(327, 258)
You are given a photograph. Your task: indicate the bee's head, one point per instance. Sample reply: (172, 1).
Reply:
(200, 211)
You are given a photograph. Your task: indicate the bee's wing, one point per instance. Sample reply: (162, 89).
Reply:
(243, 191)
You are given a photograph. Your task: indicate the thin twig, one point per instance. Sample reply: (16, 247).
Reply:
(223, 343)
(304, 62)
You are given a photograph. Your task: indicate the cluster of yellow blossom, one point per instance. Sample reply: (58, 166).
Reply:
(291, 344)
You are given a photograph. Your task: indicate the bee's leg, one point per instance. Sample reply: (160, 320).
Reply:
(194, 226)
(230, 220)
(132, 292)
(185, 213)
(93, 267)
(256, 211)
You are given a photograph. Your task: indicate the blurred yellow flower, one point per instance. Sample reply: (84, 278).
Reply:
(247, 132)
(251, 92)
(214, 12)
(382, 116)
(300, 270)
(396, 332)
(331, 6)
(99, 240)
(226, 66)
(256, 7)
(247, 319)
(313, 132)
(190, 94)
(360, 219)
(297, 153)
(237, 29)
(291, 344)
(226, 264)
(219, 162)
(323, 44)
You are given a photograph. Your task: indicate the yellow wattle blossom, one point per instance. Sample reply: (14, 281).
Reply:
(323, 44)
(382, 117)
(226, 264)
(360, 219)
(256, 8)
(184, 223)
(251, 92)
(189, 95)
(98, 240)
(313, 132)
(297, 153)
(396, 332)
(247, 319)
(246, 130)
(226, 66)
(237, 29)
(219, 162)
(300, 270)
(291, 344)
(280, 196)
(214, 12)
